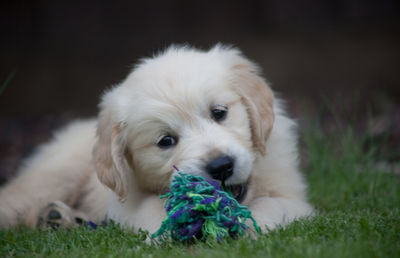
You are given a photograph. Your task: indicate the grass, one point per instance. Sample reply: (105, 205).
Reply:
(358, 215)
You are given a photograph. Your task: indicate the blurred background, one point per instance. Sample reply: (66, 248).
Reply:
(336, 62)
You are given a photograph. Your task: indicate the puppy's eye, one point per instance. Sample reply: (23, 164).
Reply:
(166, 141)
(219, 113)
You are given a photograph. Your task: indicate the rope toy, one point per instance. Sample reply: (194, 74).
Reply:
(199, 209)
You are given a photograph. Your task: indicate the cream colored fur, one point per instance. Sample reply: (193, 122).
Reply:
(120, 171)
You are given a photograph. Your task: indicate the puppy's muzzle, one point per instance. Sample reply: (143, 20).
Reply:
(221, 168)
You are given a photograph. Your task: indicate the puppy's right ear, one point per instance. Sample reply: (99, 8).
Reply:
(109, 154)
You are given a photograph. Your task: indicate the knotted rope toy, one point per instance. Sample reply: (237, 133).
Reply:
(199, 209)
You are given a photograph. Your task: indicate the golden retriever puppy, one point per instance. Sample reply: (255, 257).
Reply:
(209, 113)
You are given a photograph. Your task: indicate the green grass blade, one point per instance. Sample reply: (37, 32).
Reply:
(7, 81)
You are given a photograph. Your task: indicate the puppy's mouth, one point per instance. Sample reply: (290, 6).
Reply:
(238, 191)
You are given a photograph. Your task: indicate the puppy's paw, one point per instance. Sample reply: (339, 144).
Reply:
(58, 214)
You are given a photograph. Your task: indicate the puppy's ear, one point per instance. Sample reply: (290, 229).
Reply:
(259, 100)
(109, 154)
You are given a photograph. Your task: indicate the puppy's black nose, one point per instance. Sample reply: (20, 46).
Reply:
(221, 168)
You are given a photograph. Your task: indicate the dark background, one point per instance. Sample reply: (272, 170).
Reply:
(324, 57)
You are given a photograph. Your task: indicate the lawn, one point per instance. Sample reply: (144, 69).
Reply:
(357, 204)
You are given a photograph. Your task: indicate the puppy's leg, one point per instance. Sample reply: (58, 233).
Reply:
(33, 190)
(270, 212)
(59, 170)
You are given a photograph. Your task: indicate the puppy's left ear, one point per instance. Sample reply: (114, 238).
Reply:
(258, 97)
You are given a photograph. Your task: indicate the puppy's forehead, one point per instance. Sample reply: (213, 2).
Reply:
(175, 88)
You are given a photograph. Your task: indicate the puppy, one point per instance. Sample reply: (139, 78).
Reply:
(207, 113)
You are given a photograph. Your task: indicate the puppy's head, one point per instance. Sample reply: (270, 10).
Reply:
(207, 113)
